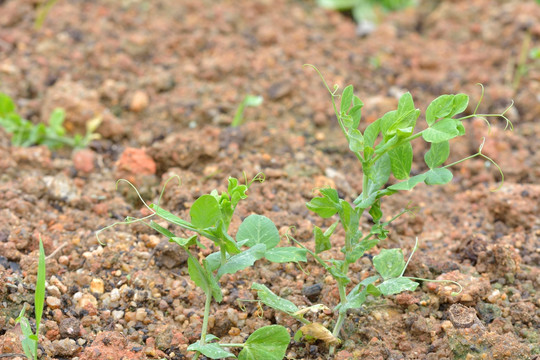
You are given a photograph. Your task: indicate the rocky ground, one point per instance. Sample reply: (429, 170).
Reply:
(166, 77)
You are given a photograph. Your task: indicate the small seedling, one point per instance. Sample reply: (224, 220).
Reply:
(42, 11)
(25, 133)
(257, 238)
(29, 339)
(249, 101)
(366, 10)
(383, 149)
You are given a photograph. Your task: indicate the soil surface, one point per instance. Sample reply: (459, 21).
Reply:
(166, 77)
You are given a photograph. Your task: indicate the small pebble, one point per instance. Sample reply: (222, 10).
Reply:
(97, 286)
(115, 294)
(139, 101)
(53, 302)
(140, 314)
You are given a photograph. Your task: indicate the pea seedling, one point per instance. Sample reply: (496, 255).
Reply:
(24, 133)
(257, 238)
(383, 149)
(29, 339)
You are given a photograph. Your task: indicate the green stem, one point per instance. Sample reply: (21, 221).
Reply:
(204, 329)
(337, 329)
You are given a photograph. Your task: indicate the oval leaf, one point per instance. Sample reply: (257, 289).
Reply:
(212, 350)
(258, 229)
(205, 212)
(397, 285)
(272, 300)
(286, 254)
(389, 263)
(438, 176)
(269, 343)
(437, 154)
(243, 260)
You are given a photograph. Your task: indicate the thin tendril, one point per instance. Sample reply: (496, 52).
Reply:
(131, 220)
(410, 257)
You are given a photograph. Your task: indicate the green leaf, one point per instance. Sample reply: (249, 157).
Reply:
(356, 113)
(438, 176)
(408, 184)
(223, 239)
(379, 174)
(56, 120)
(387, 121)
(346, 99)
(272, 300)
(375, 211)
(389, 263)
(39, 296)
(397, 285)
(160, 229)
(236, 192)
(443, 130)
(214, 261)
(258, 229)
(212, 282)
(359, 250)
(357, 296)
(164, 214)
(211, 350)
(286, 254)
(439, 108)
(460, 103)
(356, 140)
(269, 343)
(199, 276)
(184, 242)
(437, 154)
(242, 260)
(205, 212)
(323, 207)
(371, 133)
(349, 217)
(401, 161)
(7, 105)
(330, 194)
(322, 242)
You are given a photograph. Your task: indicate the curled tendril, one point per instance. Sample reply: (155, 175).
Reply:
(336, 86)
(479, 153)
(260, 177)
(483, 116)
(129, 219)
(428, 280)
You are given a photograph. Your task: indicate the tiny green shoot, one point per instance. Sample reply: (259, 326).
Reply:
(25, 133)
(249, 101)
(30, 339)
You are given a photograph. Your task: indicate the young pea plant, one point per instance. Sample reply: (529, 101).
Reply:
(384, 149)
(29, 339)
(257, 237)
(24, 133)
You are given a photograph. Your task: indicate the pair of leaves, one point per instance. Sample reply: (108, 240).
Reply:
(258, 229)
(269, 342)
(390, 264)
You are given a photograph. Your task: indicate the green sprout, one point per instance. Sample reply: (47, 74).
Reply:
(25, 133)
(30, 339)
(249, 101)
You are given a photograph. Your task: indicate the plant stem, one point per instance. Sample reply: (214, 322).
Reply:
(205, 319)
